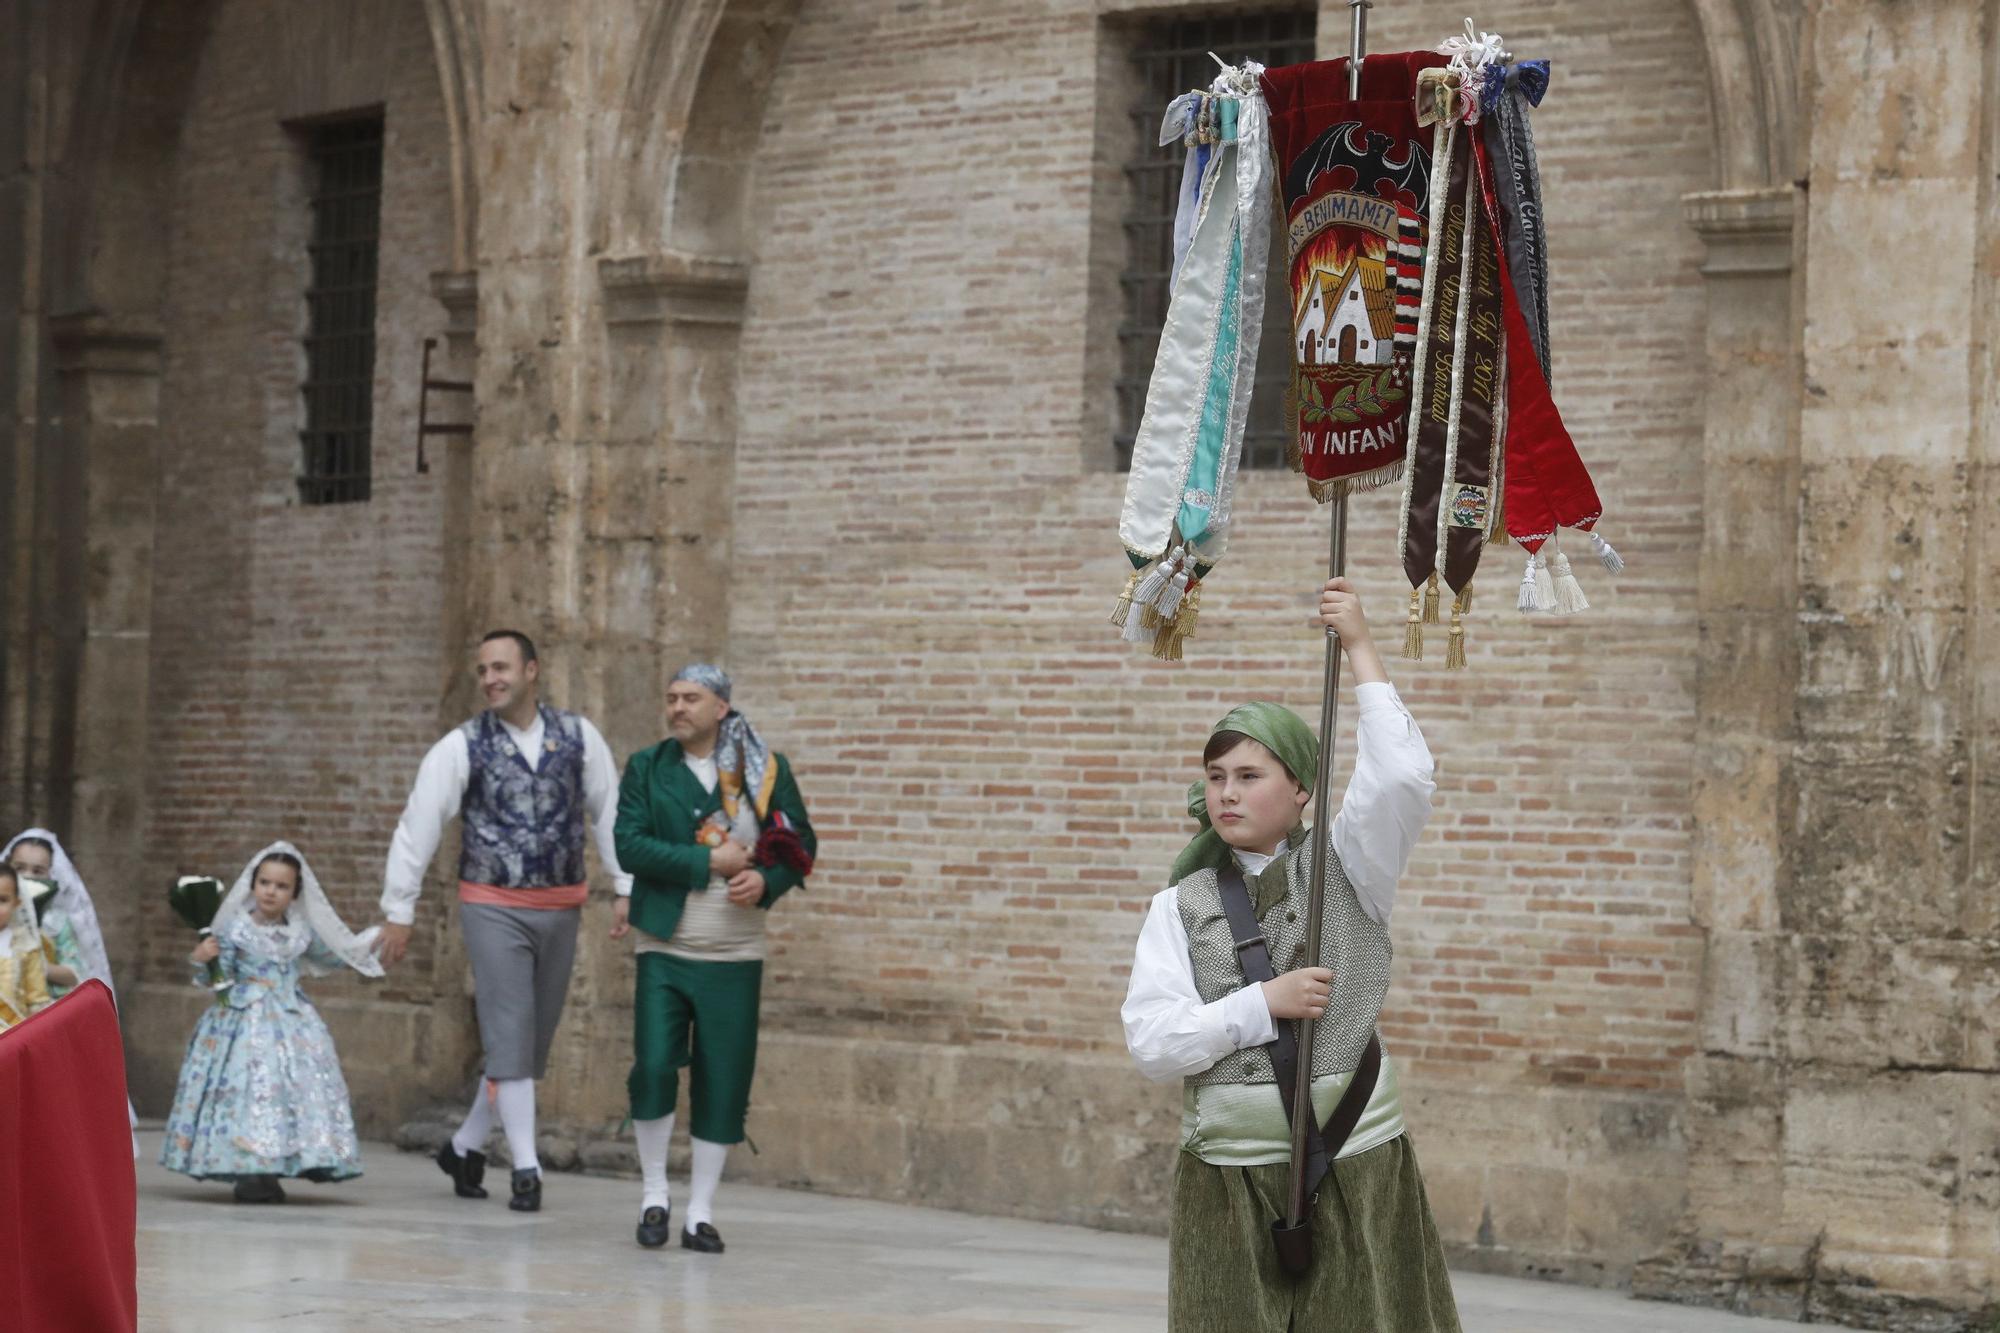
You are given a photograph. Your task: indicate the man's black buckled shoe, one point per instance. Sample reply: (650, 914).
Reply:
(527, 1191)
(653, 1230)
(704, 1238)
(466, 1172)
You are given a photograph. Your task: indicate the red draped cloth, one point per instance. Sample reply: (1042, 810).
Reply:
(68, 1197)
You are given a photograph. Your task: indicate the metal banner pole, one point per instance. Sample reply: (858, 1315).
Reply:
(1329, 722)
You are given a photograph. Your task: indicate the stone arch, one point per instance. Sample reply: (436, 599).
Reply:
(455, 32)
(118, 153)
(692, 115)
(1753, 76)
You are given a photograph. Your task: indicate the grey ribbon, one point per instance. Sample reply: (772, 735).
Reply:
(1510, 140)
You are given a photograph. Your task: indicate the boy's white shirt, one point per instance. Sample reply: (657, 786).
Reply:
(1169, 1030)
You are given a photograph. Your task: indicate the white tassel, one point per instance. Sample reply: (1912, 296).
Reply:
(1135, 630)
(1545, 585)
(1156, 580)
(1607, 553)
(1525, 603)
(1569, 598)
(1170, 600)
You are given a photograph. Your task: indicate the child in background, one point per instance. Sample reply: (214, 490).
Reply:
(261, 1094)
(24, 987)
(68, 920)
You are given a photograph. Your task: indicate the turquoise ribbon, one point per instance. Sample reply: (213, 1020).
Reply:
(1198, 498)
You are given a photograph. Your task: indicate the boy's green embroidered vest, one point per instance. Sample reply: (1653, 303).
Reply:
(1352, 943)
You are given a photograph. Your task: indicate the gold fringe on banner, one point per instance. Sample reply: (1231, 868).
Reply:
(1454, 653)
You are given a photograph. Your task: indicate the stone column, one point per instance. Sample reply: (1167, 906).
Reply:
(1746, 684)
(1892, 1111)
(451, 457)
(663, 481)
(1842, 1110)
(23, 115)
(550, 96)
(107, 475)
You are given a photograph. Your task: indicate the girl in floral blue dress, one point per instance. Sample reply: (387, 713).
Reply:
(261, 1094)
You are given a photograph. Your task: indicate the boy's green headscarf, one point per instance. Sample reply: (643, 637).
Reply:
(1279, 730)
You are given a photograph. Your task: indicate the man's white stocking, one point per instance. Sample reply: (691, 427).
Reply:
(517, 1116)
(652, 1137)
(707, 1174)
(471, 1136)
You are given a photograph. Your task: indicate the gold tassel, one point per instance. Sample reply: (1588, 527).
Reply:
(1122, 612)
(1431, 600)
(1190, 612)
(1176, 632)
(1454, 653)
(1413, 629)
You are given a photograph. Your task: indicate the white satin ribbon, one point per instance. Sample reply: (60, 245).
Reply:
(1230, 208)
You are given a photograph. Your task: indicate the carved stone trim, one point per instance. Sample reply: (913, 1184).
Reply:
(673, 288)
(458, 293)
(1748, 232)
(90, 341)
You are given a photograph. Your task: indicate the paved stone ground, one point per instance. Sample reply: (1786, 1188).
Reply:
(396, 1249)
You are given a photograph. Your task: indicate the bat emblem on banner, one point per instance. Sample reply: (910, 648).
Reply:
(1366, 167)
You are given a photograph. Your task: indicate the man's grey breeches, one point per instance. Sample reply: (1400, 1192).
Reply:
(521, 958)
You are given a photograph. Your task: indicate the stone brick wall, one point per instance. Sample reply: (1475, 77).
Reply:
(298, 655)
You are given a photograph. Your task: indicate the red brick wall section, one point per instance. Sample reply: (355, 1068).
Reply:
(925, 564)
(296, 680)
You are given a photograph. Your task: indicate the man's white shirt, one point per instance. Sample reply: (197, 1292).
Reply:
(439, 791)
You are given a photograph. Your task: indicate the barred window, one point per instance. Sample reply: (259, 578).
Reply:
(345, 174)
(1171, 56)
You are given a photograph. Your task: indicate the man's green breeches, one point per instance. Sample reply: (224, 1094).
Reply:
(702, 1015)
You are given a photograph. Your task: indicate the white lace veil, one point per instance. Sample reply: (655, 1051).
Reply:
(310, 908)
(71, 903)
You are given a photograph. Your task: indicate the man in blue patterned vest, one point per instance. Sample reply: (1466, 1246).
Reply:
(522, 776)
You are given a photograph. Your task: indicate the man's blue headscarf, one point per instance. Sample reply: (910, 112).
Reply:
(742, 761)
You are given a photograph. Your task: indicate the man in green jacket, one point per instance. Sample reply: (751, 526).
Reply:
(712, 829)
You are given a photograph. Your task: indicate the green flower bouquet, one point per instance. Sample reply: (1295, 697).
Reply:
(195, 899)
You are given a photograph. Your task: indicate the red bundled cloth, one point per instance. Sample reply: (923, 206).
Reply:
(1546, 484)
(779, 845)
(68, 1196)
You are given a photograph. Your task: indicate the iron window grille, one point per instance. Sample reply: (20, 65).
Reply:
(1171, 56)
(345, 159)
